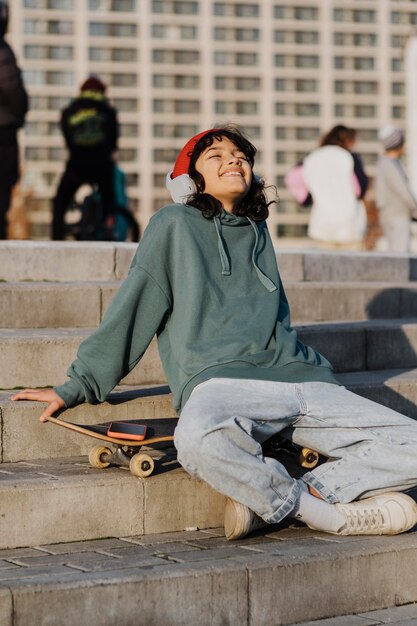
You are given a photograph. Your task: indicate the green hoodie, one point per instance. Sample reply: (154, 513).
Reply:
(211, 291)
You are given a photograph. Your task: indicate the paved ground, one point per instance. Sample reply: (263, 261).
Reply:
(399, 615)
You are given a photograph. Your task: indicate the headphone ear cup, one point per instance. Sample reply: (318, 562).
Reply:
(180, 187)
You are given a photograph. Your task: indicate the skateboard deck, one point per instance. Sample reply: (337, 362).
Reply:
(128, 452)
(124, 452)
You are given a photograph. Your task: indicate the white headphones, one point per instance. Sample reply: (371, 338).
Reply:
(183, 186)
(180, 188)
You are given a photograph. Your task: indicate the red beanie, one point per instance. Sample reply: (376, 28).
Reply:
(182, 163)
(93, 83)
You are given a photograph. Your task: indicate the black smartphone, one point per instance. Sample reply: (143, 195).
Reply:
(125, 430)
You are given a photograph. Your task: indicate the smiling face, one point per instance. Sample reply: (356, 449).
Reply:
(226, 171)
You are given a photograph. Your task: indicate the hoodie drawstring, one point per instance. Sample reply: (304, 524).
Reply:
(267, 282)
(222, 250)
(224, 258)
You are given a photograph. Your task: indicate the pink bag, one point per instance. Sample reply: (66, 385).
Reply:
(294, 182)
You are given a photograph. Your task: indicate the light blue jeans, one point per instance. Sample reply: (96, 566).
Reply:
(372, 449)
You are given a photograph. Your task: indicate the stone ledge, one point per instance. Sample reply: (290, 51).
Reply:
(52, 501)
(199, 578)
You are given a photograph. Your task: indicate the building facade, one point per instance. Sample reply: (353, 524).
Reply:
(284, 70)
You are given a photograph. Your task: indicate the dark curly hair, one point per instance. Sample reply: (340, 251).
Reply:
(253, 205)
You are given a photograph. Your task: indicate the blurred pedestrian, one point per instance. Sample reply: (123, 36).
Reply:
(336, 179)
(13, 108)
(90, 128)
(394, 198)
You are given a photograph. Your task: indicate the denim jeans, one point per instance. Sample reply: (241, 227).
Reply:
(371, 448)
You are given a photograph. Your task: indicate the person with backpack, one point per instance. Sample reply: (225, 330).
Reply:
(90, 128)
(14, 104)
(205, 281)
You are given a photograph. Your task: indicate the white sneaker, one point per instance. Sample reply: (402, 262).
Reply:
(239, 520)
(385, 514)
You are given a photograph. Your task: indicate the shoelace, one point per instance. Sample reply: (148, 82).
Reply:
(365, 519)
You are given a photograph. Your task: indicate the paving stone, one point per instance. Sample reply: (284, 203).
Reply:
(342, 620)
(109, 564)
(22, 573)
(165, 538)
(392, 615)
(75, 547)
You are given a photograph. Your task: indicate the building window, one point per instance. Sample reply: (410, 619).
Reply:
(306, 85)
(175, 8)
(236, 34)
(126, 104)
(306, 37)
(176, 81)
(398, 113)
(165, 155)
(127, 6)
(364, 63)
(183, 131)
(365, 110)
(397, 65)
(398, 89)
(309, 134)
(235, 9)
(306, 60)
(104, 29)
(179, 57)
(307, 109)
(176, 106)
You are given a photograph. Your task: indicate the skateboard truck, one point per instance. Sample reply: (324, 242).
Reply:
(139, 463)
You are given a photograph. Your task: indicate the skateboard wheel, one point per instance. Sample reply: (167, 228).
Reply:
(96, 457)
(308, 458)
(141, 465)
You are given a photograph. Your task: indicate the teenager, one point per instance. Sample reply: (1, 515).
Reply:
(205, 281)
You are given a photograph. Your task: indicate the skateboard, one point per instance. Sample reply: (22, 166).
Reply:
(124, 452)
(127, 452)
(290, 454)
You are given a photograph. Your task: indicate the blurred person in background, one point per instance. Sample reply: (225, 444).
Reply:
(13, 108)
(336, 179)
(90, 128)
(394, 198)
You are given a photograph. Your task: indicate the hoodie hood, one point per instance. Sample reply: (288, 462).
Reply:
(229, 219)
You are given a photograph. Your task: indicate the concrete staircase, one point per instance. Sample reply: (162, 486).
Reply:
(358, 309)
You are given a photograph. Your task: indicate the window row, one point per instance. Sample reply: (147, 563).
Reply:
(58, 153)
(128, 6)
(66, 27)
(50, 77)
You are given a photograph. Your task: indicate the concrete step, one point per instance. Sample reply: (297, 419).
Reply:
(54, 305)
(198, 578)
(367, 345)
(350, 301)
(57, 305)
(50, 501)
(24, 438)
(41, 357)
(86, 261)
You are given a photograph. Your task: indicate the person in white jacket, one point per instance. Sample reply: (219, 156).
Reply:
(338, 215)
(394, 198)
